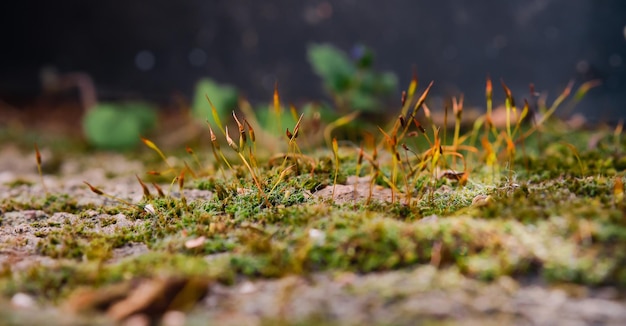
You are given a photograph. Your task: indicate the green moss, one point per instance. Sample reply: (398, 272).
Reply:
(19, 182)
(81, 242)
(553, 212)
(50, 204)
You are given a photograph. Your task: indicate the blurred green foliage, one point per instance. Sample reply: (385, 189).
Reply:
(118, 126)
(353, 82)
(275, 125)
(224, 97)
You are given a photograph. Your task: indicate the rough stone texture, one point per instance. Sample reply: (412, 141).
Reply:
(404, 298)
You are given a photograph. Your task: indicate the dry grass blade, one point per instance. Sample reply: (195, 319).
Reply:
(102, 193)
(414, 83)
(547, 114)
(158, 189)
(215, 147)
(242, 132)
(190, 170)
(566, 92)
(509, 95)
(277, 107)
(281, 177)
(296, 128)
(39, 169)
(577, 156)
(489, 96)
(94, 189)
(146, 191)
(293, 111)
(191, 152)
(521, 118)
(420, 101)
(490, 155)
(214, 144)
(359, 162)
(155, 148)
(181, 185)
(407, 96)
(580, 93)
(292, 144)
(585, 87)
(427, 113)
(416, 107)
(509, 104)
(215, 114)
(338, 123)
(230, 141)
(402, 121)
(250, 131)
(457, 109)
(255, 178)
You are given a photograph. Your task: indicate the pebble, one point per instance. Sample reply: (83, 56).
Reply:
(22, 301)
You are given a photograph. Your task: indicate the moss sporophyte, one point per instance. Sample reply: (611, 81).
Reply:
(525, 195)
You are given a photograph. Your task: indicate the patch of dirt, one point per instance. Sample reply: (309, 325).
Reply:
(357, 189)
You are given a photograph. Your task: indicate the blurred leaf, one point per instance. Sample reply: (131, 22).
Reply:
(326, 112)
(387, 83)
(378, 84)
(224, 97)
(354, 83)
(363, 101)
(118, 126)
(368, 82)
(269, 122)
(332, 65)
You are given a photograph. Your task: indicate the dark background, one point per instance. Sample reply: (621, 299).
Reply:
(150, 49)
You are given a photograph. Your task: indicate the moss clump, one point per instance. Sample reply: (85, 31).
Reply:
(50, 204)
(477, 203)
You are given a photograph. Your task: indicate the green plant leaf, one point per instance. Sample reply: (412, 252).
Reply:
(224, 97)
(118, 126)
(332, 65)
(269, 122)
(363, 101)
(387, 83)
(368, 82)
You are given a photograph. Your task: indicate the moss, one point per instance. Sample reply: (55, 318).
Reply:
(81, 242)
(51, 204)
(19, 182)
(56, 282)
(553, 212)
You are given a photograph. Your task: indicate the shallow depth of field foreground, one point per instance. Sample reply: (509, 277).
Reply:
(284, 216)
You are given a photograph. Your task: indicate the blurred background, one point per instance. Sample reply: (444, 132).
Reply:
(158, 50)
